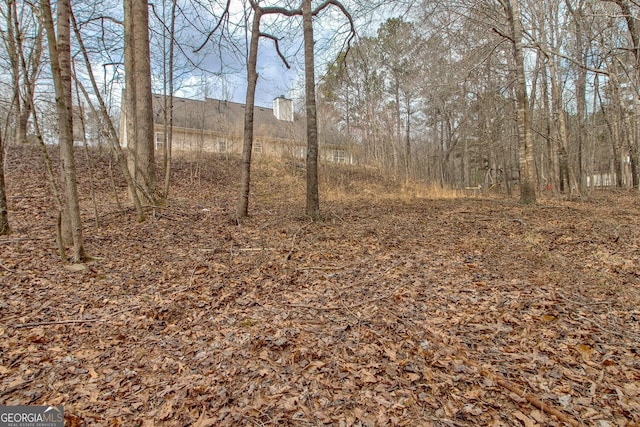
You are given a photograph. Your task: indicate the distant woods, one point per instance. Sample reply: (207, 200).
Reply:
(508, 96)
(439, 96)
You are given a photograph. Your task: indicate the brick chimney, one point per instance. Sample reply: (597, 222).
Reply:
(283, 109)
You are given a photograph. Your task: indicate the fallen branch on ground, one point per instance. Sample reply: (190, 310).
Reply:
(71, 321)
(531, 399)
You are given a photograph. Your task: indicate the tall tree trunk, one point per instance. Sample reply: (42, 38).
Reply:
(407, 142)
(581, 88)
(252, 79)
(525, 148)
(168, 129)
(567, 176)
(12, 47)
(60, 56)
(313, 198)
(129, 110)
(550, 144)
(631, 20)
(4, 210)
(144, 99)
(139, 110)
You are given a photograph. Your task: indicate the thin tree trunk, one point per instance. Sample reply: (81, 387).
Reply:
(4, 209)
(567, 176)
(129, 110)
(407, 143)
(525, 149)
(313, 198)
(60, 56)
(252, 79)
(145, 144)
(138, 99)
(550, 140)
(581, 89)
(168, 130)
(12, 44)
(110, 131)
(92, 186)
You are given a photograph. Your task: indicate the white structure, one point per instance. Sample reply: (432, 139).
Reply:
(283, 108)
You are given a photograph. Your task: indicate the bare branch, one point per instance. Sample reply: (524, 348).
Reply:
(345, 12)
(501, 34)
(223, 18)
(276, 41)
(281, 11)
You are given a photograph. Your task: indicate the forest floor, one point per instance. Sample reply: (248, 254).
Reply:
(405, 308)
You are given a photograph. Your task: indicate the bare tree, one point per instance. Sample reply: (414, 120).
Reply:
(109, 128)
(60, 56)
(4, 210)
(23, 41)
(631, 18)
(525, 142)
(306, 11)
(138, 105)
(313, 197)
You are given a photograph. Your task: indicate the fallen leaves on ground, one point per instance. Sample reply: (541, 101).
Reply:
(392, 311)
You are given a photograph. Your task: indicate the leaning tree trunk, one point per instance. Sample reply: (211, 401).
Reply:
(525, 148)
(313, 198)
(109, 128)
(252, 79)
(60, 56)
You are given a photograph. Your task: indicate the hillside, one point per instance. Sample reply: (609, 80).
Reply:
(405, 308)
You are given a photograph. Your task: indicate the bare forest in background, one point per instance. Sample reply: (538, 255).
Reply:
(429, 96)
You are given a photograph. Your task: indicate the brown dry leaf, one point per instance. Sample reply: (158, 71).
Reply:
(166, 410)
(272, 321)
(632, 389)
(548, 318)
(367, 377)
(290, 403)
(203, 421)
(382, 401)
(585, 352)
(538, 416)
(526, 421)
(391, 354)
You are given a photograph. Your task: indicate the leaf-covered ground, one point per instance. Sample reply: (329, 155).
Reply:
(395, 310)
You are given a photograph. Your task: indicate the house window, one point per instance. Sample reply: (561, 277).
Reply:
(300, 152)
(257, 147)
(222, 146)
(160, 140)
(339, 156)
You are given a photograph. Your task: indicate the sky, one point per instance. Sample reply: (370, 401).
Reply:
(226, 71)
(274, 78)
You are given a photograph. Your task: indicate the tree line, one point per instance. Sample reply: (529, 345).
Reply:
(501, 94)
(497, 94)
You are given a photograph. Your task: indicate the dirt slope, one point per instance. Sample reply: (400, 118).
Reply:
(393, 311)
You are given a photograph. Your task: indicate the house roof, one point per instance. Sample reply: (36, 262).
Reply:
(226, 117)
